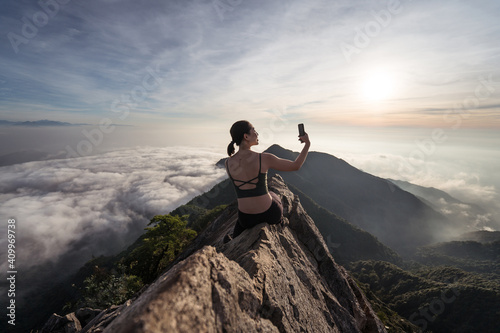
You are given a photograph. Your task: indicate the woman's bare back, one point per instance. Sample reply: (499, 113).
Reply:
(244, 167)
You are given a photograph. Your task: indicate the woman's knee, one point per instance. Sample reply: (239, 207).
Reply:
(238, 229)
(276, 214)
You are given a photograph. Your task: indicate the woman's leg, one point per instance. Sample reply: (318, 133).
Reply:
(238, 228)
(275, 212)
(273, 215)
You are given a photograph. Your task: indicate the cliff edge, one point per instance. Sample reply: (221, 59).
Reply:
(278, 278)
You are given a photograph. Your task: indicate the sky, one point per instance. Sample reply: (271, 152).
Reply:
(207, 63)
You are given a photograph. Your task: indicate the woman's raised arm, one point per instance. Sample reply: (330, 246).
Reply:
(281, 164)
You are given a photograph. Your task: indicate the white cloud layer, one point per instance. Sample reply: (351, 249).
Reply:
(97, 204)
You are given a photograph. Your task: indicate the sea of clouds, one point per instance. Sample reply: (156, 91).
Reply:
(69, 210)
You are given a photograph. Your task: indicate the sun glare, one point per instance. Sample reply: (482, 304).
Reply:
(378, 86)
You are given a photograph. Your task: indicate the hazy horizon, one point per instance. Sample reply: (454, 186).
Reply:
(458, 161)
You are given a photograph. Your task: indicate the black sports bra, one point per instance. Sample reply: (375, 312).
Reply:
(260, 185)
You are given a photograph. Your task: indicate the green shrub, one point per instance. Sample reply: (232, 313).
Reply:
(166, 237)
(104, 288)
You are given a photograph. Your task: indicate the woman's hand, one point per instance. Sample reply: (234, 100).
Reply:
(304, 138)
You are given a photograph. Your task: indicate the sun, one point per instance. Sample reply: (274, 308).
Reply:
(378, 86)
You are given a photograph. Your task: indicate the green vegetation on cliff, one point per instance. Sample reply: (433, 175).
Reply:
(105, 281)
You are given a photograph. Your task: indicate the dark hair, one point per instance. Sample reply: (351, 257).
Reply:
(237, 131)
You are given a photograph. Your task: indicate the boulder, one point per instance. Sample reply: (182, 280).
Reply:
(62, 324)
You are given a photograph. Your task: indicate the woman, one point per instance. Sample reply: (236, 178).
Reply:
(248, 172)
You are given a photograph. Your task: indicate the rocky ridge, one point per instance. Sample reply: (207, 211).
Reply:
(271, 278)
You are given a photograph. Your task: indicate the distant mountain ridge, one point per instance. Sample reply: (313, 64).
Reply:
(396, 217)
(347, 242)
(38, 123)
(471, 216)
(481, 236)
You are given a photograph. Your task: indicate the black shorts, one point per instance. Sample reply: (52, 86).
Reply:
(271, 216)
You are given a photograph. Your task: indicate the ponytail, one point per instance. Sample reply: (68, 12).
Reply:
(230, 148)
(237, 131)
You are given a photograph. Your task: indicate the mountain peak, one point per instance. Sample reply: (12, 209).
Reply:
(271, 278)
(280, 151)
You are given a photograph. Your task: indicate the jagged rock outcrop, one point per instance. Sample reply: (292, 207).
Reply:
(72, 322)
(271, 278)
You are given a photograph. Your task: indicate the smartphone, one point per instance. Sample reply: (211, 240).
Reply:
(301, 130)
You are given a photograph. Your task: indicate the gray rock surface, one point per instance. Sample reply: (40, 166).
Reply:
(271, 278)
(62, 324)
